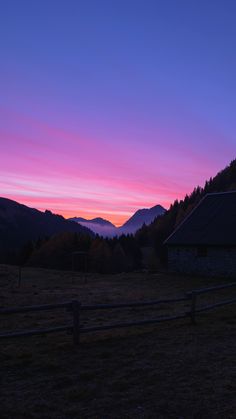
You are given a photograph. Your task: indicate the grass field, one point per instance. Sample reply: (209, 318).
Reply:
(170, 370)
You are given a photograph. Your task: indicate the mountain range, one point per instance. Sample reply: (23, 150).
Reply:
(107, 229)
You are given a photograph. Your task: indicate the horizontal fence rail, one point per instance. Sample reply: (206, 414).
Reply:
(75, 308)
(131, 305)
(25, 309)
(36, 332)
(212, 306)
(134, 323)
(212, 289)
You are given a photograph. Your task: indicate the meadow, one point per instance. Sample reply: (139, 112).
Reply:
(170, 370)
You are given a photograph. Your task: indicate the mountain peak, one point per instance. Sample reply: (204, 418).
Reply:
(143, 216)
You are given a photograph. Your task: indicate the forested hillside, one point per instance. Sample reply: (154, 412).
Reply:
(22, 228)
(156, 233)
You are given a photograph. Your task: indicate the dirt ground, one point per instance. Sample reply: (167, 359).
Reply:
(170, 370)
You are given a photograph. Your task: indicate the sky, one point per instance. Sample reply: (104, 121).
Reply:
(114, 105)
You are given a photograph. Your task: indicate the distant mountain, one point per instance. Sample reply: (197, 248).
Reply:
(19, 224)
(98, 226)
(140, 217)
(107, 229)
(98, 220)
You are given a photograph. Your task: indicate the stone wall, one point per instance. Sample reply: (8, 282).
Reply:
(218, 261)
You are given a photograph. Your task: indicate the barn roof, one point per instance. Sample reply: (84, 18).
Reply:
(212, 222)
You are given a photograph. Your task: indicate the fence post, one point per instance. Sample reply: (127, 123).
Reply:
(19, 276)
(76, 321)
(193, 307)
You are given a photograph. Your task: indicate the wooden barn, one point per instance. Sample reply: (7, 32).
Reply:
(205, 242)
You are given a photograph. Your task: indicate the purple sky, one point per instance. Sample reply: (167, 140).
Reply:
(111, 106)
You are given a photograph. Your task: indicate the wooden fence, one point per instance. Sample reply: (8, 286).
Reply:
(76, 328)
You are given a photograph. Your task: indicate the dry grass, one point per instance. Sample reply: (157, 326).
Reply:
(172, 370)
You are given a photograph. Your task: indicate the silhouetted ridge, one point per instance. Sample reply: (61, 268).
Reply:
(19, 224)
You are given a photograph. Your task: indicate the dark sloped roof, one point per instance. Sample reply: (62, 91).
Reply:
(212, 222)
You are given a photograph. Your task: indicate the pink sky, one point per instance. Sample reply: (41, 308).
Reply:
(50, 167)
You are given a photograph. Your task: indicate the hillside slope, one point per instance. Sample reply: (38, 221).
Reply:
(19, 223)
(156, 233)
